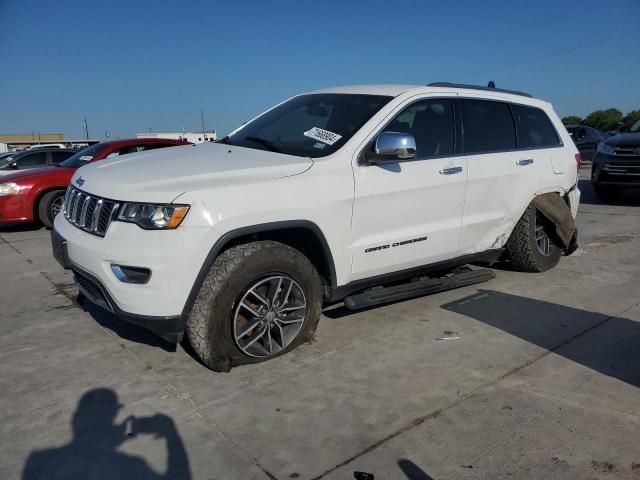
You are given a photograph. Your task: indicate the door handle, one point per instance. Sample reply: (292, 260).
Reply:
(527, 161)
(450, 170)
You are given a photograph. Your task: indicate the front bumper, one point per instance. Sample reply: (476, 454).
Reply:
(616, 170)
(173, 256)
(14, 209)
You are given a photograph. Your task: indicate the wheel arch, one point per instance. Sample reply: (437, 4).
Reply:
(37, 197)
(303, 235)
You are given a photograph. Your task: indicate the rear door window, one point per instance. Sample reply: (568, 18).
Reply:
(32, 160)
(60, 156)
(535, 130)
(487, 126)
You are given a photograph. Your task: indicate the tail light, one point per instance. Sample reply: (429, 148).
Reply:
(578, 159)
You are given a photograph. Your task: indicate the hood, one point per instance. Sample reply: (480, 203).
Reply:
(33, 174)
(624, 140)
(163, 174)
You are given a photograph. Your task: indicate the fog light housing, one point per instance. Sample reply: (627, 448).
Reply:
(129, 274)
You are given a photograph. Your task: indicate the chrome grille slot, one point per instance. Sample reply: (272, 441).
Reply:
(88, 212)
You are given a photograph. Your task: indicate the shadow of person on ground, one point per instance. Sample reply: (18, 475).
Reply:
(93, 451)
(614, 351)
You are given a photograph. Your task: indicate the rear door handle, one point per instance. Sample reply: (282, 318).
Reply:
(450, 170)
(527, 161)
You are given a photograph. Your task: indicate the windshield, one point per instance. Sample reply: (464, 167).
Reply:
(314, 125)
(635, 128)
(83, 156)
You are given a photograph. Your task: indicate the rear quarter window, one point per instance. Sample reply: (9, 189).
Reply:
(534, 127)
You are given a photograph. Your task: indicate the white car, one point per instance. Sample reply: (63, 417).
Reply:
(239, 243)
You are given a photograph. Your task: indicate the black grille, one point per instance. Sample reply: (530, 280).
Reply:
(628, 151)
(628, 172)
(88, 212)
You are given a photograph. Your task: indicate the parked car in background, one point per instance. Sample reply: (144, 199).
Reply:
(38, 194)
(586, 139)
(30, 159)
(616, 164)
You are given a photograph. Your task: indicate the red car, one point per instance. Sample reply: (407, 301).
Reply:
(38, 194)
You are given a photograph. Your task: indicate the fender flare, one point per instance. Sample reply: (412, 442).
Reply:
(250, 230)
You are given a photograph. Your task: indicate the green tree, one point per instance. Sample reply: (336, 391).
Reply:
(608, 119)
(572, 120)
(630, 118)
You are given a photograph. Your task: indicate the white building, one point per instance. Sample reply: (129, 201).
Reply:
(193, 137)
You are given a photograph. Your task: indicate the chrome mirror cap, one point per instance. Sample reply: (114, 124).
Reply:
(394, 147)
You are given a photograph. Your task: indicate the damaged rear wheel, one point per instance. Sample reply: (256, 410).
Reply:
(533, 246)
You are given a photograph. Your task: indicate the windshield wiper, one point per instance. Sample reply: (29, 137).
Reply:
(224, 139)
(265, 143)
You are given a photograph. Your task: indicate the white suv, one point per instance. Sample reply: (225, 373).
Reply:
(239, 243)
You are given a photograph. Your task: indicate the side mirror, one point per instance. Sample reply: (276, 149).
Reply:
(13, 166)
(393, 147)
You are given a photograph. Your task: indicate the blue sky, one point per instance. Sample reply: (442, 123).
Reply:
(128, 65)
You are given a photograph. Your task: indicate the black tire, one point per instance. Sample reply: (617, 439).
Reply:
(47, 206)
(607, 193)
(210, 324)
(522, 248)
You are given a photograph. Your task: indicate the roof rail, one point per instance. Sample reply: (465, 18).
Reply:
(477, 87)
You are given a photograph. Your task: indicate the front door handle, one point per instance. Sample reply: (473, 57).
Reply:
(450, 170)
(527, 161)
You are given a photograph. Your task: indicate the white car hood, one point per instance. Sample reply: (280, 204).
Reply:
(162, 175)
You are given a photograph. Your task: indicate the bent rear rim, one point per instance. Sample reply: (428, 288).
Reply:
(543, 241)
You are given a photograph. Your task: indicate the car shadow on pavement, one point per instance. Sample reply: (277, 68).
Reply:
(123, 329)
(93, 452)
(629, 197)
(614, 351)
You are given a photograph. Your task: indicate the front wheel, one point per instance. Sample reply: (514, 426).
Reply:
(49, 206)
(258, 301)
(532, 246)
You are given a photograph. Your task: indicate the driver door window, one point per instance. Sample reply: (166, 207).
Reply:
(431, 122)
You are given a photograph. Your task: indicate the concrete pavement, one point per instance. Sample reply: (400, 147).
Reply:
(544, 380)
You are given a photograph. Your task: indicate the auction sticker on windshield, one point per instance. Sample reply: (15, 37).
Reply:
(324, 136)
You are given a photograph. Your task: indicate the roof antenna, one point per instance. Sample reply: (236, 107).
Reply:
(492, 84)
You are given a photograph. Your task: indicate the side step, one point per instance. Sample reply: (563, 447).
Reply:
(461, 277)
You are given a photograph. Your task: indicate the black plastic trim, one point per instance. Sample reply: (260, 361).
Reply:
(250, 230)
(477, 87)
(170, 328)
(342, 291)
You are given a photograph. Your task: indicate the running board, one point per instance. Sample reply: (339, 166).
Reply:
(416, 288)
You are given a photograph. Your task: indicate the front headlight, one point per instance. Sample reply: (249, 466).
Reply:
(607, 149)
(9, 189)
(153, 216)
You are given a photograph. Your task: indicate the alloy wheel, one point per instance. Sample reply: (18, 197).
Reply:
(543, 241)
(269, 316)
